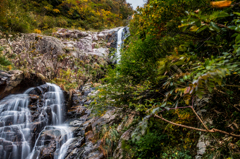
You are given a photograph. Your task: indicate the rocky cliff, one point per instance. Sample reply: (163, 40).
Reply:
(15, 81)
(84, 54)
(43, 58)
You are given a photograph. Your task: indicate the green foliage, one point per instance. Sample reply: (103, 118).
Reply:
(149, 145)
(110, 136)
(4, 61)
(177, 155)
(25, 16)
(190, 57)
(179, 53)
(161, 140)
(5, 64)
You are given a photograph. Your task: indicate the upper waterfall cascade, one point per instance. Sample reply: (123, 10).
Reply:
(119, 44)
(122, 34)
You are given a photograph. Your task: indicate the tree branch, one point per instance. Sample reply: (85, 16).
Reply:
(184, 126)
(193, 128)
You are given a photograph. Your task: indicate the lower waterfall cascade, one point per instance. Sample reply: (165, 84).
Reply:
(22, 117)
(37, 124)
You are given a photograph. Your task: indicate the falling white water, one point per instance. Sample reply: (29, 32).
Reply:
(66, 136)
(14, 126)
(17, 121)
(62, 134)
(119, 44)
(55, 97)
(64, 148)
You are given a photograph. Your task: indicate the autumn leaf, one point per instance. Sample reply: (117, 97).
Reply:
(194, 28)
(37, 31)
(187, 90)
(56, 11)
(221, 4)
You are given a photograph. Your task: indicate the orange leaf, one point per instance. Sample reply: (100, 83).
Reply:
(187, 90)
(221, 4)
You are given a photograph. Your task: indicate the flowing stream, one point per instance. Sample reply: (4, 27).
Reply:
(31, 124)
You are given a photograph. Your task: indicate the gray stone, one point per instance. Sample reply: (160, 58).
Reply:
(76, 123)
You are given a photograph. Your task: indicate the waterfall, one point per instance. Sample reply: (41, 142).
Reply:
(60, 134)
(122, 34)
(54, 97)
(28, 121)
(119, 44)
(14, 127)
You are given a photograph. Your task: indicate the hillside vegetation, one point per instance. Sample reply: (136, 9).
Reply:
(178, 77)
(180, 70)
(30, 15)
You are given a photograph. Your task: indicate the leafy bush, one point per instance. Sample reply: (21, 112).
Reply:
(150, 145)
(5, 64)
(161, 140)
(4, 61)
(61, 22)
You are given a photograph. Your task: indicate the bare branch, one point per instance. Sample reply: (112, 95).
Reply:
(193, 128)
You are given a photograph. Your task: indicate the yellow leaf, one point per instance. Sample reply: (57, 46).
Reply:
(187, 101)
(194, 28)
(221, 4)
(9, 67)
(56, 10)
(182, 25)
(37, 31)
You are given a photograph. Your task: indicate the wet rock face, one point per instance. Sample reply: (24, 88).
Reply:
(85, 145)
(37, 112)
(13, 82)
(50, 142)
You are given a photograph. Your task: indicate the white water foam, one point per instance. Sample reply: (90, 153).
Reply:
(119, 44)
